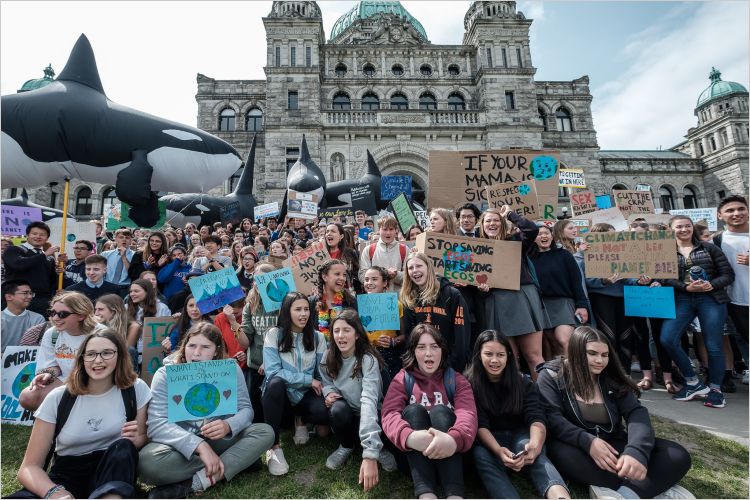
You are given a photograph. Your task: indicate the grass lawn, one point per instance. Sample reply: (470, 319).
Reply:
(720, 470)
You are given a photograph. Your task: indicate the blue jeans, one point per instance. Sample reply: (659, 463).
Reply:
(712, 316)
(494, 474)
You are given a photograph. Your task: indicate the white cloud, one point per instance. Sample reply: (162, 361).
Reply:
(651, 104)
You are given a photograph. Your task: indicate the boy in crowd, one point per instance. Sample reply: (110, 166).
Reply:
(94, 286)
(75, 270)
(16, 318)
(213, 261)
(118, 260)
(101, 235)
(467, 215)
(387, 253)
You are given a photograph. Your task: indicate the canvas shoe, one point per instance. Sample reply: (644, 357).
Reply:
(301, 435)
(277, 464)
(715, 399)
(688, 392)
(387, 461)
(172, 490)
(676, 491)
(745, 376)
(338, 458)
(602, 492)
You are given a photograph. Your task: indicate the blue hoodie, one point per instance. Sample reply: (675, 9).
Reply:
(172, 275)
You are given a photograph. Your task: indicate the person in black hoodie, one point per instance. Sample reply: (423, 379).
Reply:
(586, 397)
(430, 299)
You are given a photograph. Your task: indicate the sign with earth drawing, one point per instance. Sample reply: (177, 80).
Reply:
(19, 366)
(201, 390)
(274, 286)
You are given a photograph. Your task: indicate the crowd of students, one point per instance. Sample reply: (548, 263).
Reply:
(535, 380)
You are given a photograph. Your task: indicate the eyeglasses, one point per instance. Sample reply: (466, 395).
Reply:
(60, 314)
(31, 294)
(80, 248)
(106, 354)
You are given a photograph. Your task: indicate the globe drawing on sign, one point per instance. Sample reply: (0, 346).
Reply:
(23, 379)
(277, 290)
(524, 189)
(202, 400)
(543, 167)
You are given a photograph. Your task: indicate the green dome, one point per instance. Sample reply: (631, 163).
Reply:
(37, 83)
(718, 88)
(369, 8)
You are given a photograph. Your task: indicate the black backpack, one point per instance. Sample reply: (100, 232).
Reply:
(449, 381)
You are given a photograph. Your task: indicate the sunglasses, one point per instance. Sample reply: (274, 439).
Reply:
(60, 314)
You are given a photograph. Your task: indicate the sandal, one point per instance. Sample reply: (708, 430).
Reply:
(671, 387)
(645, 384)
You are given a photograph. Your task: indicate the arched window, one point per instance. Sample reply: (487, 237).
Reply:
(453, 70)
(342, 102)
(713, 143)
(427, 101)
(667, 199)
(340, 69)
(425, 70)
(83, 201)
(397, 70)
(456, 102)
(543, 117)
(724, 138)
(109, 198)
(254, 120)
(368, 70)
(399, 101)
(619, 187)
(700, 145)
(562, 119)
(370, 102)
(689, 197)
(226, 120)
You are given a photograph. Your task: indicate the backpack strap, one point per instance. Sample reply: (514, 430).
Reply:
(64, 408)
(408, 384)
(717, 239)
(403, 250)
(130, 402)
(371, 250)
(449, 381)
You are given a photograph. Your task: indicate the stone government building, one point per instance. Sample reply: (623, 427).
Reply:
(378, 83)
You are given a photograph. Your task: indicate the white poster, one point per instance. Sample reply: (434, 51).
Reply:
(19, 366)
(267, 210)
(74, 231)
(572, 177)
(698, 214)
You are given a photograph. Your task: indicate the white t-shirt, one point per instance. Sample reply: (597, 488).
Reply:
(94, 423)
(62, 352)
(734, 244)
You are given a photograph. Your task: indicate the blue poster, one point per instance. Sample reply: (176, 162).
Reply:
(647, 302)
(216, 289)
(364, 233)
(603, 201)
(274, 286)
(379, 311)
(393, 185)
(201, 390)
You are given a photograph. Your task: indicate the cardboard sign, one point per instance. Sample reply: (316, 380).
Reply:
(379, 311)
(572, 177)
(651, 218)
(647, 302)
(117, 216)
(15, 219)
(458, 177)
(631, 254)
(216, 289)
(305, 266)
(201, 390)
(633, 202)
(583, 225)
(521, 197)
(154, 331)
(403, 212)
(302, 205)
(611, 216)
(74, 231)
(19, 368)
(274, 286)
(363, 199)
(393, 185)
(603, 201)
(582, 202)
(329, 213)
(230, 213)
(265, 211)
(473, 261)
(422, 218)
(698, 214)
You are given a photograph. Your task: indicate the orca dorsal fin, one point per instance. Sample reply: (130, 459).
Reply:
(304, 153)
(372, 167)
(245, 184)
(81, 66)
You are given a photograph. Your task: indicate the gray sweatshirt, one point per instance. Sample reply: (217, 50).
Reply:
(183, 436)
(363, 395)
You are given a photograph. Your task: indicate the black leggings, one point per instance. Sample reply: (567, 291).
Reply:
(344, 423)
(311, 407)
(611, 320)
(425, 472)
(642, 344)
(668, 464)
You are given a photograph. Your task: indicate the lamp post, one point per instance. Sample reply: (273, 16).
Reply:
(564, 215)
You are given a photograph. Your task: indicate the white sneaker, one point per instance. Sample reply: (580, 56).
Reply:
(301, 435)
(602, 492)
(387, 461)
(277, 464)
(635, 366)
(338, 458)
(676, 491)
(745, 374)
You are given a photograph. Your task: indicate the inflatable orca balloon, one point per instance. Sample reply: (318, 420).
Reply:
(23, 201)
(339, 193)
(305, 175)
(202, 209)
(70, 128)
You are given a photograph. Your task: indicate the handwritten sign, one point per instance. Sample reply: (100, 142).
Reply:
(201, 390)
(379, 311)
(582, 202)
(74, 231)
(274, 286)
(305, 266)
(422, 218)
(19, 367)
(458, 177)
(154, 331)
(117, 216)
(329, 213)
(403, 212)
(364, 199)
(266, 210)
(393, 185)
(230, 213)
(583, 225)
(473, 261)
(520, 197)
(15, 219)
(603, 201)
(611, 216)
(216, 289)
(631, 254)
(572, 177)
(302, 205)
(699, 214)
(647, 302)
(633, 202)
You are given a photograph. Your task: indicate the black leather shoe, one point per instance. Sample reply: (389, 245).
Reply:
(173, 490)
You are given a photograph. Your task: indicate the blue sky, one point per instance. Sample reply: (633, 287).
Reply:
(647, 61)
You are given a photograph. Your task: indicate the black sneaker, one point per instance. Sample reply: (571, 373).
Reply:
(173, 490)
(727, 385)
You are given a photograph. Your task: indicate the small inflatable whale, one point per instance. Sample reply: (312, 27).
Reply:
(70, 128)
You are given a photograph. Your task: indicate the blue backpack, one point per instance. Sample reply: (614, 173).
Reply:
(449, 381)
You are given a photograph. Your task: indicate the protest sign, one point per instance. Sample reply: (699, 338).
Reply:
(154, 331)
(117, 216)
(631, 254)
(305, 266)
(572, 177)
(364, 199)
(265, 211)
(583, 225)
(215, 289)
(379, 311)
(611, 216)
(302, 205)
(650, 218)
(393, 185)
(473, 261)
(15, 219)
(403, 212)
(230, 213)
(648, 302)
(603, 201)
(422, 218)
(633, 202)
(19, 368)
(582, 202)
(458, 177)
(328, 213)
(274, 286)
(520, 197)
(698, 214)
(74, 231)
(201, 390)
